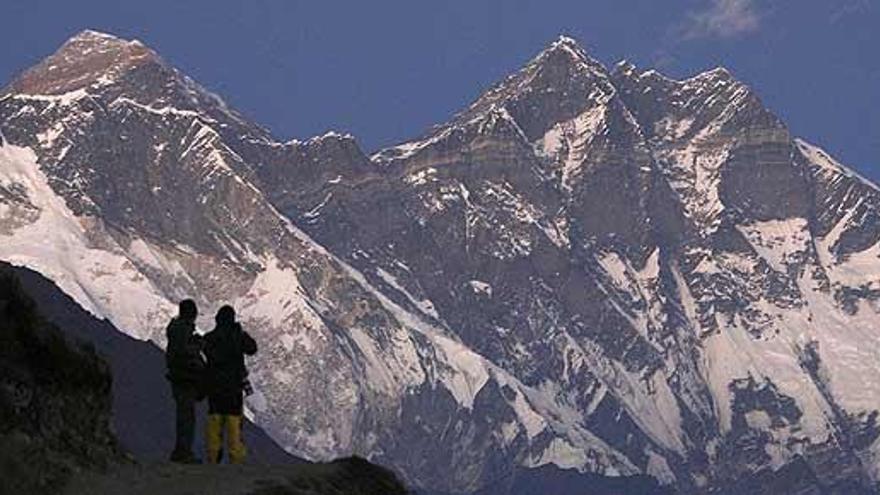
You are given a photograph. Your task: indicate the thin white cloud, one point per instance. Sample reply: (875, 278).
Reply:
(850, 8)
(721, 19)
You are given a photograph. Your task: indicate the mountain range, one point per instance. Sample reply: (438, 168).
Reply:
(606, 273)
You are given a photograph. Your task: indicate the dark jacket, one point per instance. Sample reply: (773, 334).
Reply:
(225, 348)
(183, 355)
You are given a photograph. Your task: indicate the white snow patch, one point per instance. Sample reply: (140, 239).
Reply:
(47, 138)
(759, 420)
(615, 267)
(778, 240)
(563, 454)
(533, 422)
(658, 468)
(732, 353)
(276, 298)
(167, 110)
(406, 150)
(848, 346)
(568, 142)
(854, 269)
(287, 341)
(103, 281)
(316, 210)
(656, 412)
(421, 177)
(672, 128)
(141, 252)
(62, 99)
(651, 270)
(481, 288)
(425, 305)
(469, 374)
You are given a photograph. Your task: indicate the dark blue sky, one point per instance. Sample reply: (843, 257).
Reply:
(386, 70)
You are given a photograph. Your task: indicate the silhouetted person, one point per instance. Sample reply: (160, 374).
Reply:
(186, 368)
(225, 348)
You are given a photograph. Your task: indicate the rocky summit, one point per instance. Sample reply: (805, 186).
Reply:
(588, 276)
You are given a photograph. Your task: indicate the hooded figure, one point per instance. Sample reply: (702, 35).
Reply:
(225, 348)
(186, 366)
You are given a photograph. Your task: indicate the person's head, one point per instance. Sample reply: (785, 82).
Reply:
(187, 309)
(225, 316)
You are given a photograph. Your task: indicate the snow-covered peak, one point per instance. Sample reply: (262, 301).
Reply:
(563, 61)
(93, 64)
(565, 51)
(629, 71)
(682, 107)
(89, 58)
(564, 40)
(717, 73)
(829, 165)
(331, 135)
(624, 67)
(655, 75)
(716, 76)
(89, 41)
(563, 78)
(330, 140)
(568, 46)
(93, 36)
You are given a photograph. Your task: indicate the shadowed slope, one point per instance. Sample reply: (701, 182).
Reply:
(143, 409)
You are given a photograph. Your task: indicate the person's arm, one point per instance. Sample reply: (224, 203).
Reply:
(200, 349)
(172, 336)
(248, 344)
(209, 348)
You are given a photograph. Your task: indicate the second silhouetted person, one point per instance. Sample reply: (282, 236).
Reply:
(225, 348)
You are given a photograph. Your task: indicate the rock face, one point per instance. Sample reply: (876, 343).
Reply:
(54, 400)
(604, 270)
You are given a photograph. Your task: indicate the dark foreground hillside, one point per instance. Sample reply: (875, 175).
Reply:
(143, 412)
(54, 401)
(56, 424)
(351, 476)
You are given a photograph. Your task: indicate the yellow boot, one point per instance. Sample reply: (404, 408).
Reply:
(214, 437)
(237, 450)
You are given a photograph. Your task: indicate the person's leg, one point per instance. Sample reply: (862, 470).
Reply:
(214, 437)
(178, 426)
(189, 420)
(237, 449)
(184, 398)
